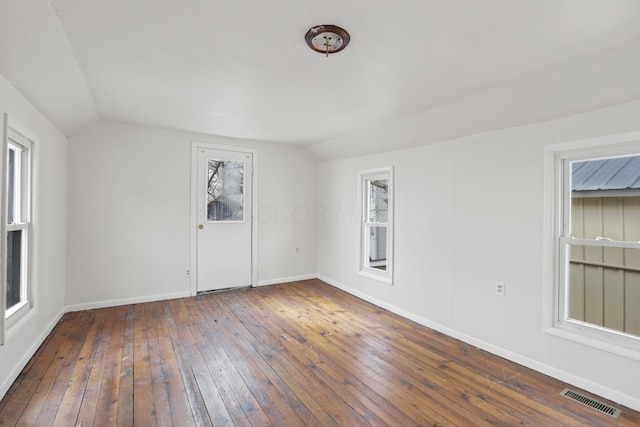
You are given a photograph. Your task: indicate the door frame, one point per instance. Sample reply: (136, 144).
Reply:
(193, 214)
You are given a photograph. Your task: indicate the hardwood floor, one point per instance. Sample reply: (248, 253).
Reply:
(295, 354)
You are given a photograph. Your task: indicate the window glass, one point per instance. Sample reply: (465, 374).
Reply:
(14, 270)
(378, 247)
(600, 283)
(225, 190)
(11, 169)
(378, 201)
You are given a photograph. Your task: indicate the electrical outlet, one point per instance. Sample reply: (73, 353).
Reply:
(187, 273)
(297, 249)
(501, 289)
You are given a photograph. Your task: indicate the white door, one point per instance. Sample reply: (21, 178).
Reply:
(224, 216)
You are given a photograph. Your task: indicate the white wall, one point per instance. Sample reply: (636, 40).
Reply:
(594, 82)
(469, 212)
(129, 213)
(50, 225)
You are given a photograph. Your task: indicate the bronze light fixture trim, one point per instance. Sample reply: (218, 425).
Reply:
(327, 38)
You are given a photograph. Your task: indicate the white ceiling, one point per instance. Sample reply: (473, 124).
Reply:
(241, 68)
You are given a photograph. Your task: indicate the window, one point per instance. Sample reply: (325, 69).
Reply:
(598, 244)
(17, 227)
(225, 190)
(376, 206)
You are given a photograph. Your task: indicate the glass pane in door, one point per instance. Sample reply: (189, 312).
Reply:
(225, 190)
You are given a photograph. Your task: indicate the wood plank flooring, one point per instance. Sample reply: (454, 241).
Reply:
(297, 354)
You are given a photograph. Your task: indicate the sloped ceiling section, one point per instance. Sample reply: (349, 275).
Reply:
(600, 81)
(35, 56)
(242, 69)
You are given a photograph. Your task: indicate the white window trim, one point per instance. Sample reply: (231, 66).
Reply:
(11, 319)
(553, 316)
(363, 269)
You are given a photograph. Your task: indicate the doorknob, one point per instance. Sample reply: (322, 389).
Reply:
(201, 226)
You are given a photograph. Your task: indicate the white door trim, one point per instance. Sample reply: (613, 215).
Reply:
(193, 221)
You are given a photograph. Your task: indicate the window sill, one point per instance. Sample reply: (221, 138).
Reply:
(15, 314)
(373, 274)
(614, 347)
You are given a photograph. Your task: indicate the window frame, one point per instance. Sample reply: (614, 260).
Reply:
(364, 269)
(23, 141)
(558, 158)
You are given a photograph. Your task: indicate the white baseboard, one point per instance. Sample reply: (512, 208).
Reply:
(598, 389)
(126, 301)
(8, 381)
(287, 279)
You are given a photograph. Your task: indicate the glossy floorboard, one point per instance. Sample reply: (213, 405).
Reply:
(295, 354)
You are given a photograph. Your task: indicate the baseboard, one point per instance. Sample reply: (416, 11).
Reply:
(613, 395)
(287, 279)
(8, 381)
(126, 301)
(160, 297)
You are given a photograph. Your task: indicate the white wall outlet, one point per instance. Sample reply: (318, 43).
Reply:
(297, 249)
(187, 273)
(501, 289)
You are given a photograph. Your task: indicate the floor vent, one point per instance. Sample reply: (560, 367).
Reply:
(587, 401)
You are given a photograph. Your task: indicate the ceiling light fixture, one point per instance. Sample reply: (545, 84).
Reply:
(327, 38)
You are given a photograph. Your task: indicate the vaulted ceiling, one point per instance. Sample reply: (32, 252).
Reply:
(241, 68)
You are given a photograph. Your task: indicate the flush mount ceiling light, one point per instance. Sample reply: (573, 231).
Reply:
(327, 38)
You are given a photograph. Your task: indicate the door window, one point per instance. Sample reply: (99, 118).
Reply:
(225, 190)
